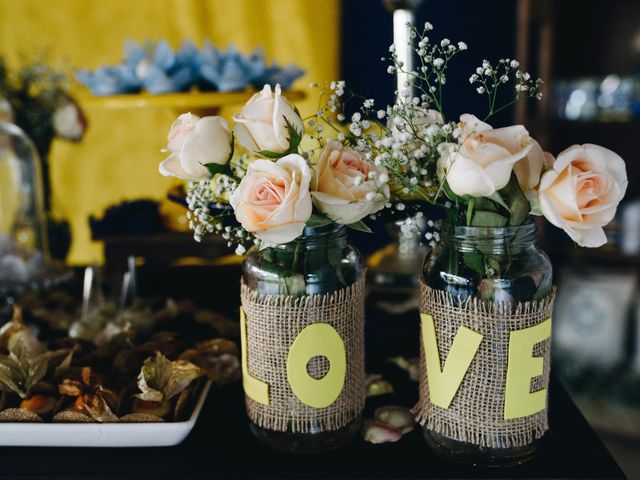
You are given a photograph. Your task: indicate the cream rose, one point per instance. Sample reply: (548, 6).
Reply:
(581, 193)
(272, 200)
(262, 122)
(68, 120)
(195, 142)
(346, 187)
(483, 163)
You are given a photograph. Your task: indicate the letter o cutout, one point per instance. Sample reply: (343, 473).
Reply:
(317, 339)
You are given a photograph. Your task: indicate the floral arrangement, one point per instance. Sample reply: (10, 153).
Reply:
(36, 98)
(157, 68)
(485, 176)
(277, 185)
(407, 154)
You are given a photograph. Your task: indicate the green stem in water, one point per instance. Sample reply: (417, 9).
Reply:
(470, 211)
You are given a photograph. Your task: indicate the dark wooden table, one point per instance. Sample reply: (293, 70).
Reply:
(221, 446)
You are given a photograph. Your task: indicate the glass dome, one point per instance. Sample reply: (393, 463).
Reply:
(23, 243)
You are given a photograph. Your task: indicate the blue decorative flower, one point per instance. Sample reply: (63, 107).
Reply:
(157, 68)
(275, 74)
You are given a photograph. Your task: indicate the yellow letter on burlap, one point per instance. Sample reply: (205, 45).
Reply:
(317, 339)
(444, 382)
(255, 389)
(519, 401)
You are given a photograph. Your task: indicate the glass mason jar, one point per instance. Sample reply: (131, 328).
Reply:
(320, 261)
(494, 265)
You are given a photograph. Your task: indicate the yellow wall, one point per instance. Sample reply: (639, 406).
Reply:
(119, 156)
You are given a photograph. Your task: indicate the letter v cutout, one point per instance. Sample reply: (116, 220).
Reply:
(445, 382)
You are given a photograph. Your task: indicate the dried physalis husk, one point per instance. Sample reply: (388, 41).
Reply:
(224, 326)
(375, 431)
(71, 416)
(376, 385)
(141, 418)
(182, 410)
(42, 405)
(96, 406)
(397, 417)
(217, 346)
(410, 365)
(8, 329)
(222, 369)
(161, 379)
(19, 415)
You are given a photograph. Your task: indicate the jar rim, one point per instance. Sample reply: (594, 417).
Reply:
(469, 238)
(315, 234)
(494, 232)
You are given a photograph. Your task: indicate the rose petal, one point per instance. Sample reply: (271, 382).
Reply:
(171, 168)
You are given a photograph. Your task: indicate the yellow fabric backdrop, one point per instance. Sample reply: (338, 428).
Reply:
(119, 156)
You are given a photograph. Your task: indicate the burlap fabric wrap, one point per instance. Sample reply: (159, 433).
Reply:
(476, 414)
(273, 322)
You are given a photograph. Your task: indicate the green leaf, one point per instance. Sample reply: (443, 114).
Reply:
(475, 261)
(517, 201)
(318, 220)
(295, 137)
(494, 264)
(449, 193)
(484, 203)
(488, 219)
(359, 226)
(534, 202)
(294, 285)
(271, 155)
(215, 168)
(496, 197)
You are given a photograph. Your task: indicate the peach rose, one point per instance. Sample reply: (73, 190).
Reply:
(483, 163)
(195, 142)
(272, 200)
(582, 192)
(346, 187)
(262, 122)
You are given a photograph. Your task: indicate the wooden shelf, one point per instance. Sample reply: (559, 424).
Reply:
(188, 100)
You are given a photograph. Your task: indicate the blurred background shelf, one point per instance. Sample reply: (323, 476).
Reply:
(194, 100)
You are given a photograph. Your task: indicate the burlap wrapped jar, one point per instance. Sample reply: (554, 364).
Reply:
(303, 341)
(486, 302)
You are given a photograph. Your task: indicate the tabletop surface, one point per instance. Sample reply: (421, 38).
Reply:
(221, 446)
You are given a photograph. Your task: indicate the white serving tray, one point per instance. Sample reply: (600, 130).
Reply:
(100, 434)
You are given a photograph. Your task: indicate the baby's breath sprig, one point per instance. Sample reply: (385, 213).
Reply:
(208, 214)
(430, 77)
(489, 79)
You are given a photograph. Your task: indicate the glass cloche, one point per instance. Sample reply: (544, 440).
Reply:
(24, 259)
